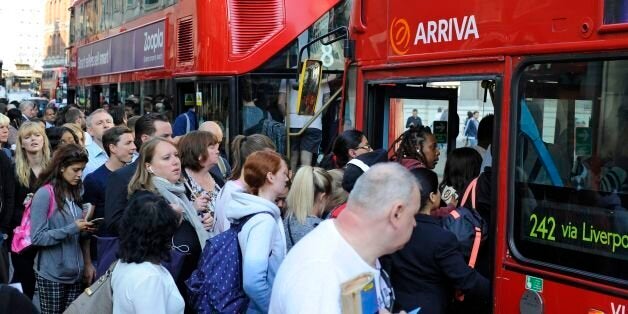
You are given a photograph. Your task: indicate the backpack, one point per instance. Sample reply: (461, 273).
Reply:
(22, 233)
(216, 285)
(468, 226)
(276, 131)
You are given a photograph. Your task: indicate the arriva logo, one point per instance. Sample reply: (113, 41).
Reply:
(154, 40)
(399, 33)
(428, 32)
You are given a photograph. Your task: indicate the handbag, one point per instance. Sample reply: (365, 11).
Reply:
(97, 299)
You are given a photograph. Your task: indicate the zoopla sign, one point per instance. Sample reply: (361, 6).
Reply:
(138, 49)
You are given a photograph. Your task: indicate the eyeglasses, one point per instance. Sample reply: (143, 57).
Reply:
(366, 147)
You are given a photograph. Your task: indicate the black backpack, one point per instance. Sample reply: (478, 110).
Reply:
(468, 226)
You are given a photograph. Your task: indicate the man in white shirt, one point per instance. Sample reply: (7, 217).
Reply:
(97, 123)
(378, 220)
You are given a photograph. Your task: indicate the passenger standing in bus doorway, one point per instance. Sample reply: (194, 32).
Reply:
(185, 122)
(305, 146)
(471, 128)
(414, 120)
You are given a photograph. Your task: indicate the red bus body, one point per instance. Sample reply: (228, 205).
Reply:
(397, 41)
(216, 48)
(389, 47)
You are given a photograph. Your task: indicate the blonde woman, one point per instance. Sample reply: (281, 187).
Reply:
(4, 135)
(307, 200)
(159, 172)
(32, 155)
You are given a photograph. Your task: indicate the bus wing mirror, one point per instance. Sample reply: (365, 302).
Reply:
(309, 85)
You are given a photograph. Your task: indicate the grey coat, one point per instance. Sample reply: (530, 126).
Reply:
(295, 231)
(59, 256)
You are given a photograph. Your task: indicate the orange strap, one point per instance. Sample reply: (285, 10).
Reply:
(474, 256)
(476, 247)
(470, 190)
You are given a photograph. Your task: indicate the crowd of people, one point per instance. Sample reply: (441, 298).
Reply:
(102, 190)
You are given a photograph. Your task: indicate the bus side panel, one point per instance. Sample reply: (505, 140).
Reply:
(556, 297)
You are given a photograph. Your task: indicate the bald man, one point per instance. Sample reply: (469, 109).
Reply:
(222, 169)
(213, 128)
(378, 220)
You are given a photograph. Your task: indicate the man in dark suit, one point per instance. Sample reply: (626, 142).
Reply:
(28, 110)
(148, 126)
(414, 120)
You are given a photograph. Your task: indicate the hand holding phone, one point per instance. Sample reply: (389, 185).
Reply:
(449, 195)
(97, 221)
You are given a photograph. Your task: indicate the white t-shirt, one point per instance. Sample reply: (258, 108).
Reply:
(310, 276)
(144, 288)
(298, 121)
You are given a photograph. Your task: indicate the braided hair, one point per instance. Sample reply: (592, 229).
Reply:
(409, 145)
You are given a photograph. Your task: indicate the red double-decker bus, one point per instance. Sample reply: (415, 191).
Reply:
(554, 75)
(234, 61)
(551, 72)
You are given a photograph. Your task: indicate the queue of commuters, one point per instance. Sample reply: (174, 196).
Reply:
(151, 204)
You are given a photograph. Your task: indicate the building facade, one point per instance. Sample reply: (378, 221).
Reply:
(22, 23)
(56, 37)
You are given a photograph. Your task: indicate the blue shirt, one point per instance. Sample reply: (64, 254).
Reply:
(180, 126)
(95, 185)
(97, 158)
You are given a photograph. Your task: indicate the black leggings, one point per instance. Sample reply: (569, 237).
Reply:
(23, 271)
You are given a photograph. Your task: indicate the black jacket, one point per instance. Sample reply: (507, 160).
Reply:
(116, 196)
(426, 272)
(7, 194)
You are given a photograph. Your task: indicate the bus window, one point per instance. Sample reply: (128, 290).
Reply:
(571, 167)
(615, 11)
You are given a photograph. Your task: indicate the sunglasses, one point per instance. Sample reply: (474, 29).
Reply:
(366, 147)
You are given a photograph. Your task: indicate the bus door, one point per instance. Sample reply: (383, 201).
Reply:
(442, 106)
(213, 99)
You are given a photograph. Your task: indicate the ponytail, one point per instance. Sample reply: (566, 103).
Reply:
(243, 146)
(308, 183)
(236, 155)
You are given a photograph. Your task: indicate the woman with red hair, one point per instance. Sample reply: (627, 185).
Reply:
(262, 238)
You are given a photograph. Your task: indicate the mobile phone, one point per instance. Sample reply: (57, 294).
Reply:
(449, 193)
(97, 220)
(88, 210)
